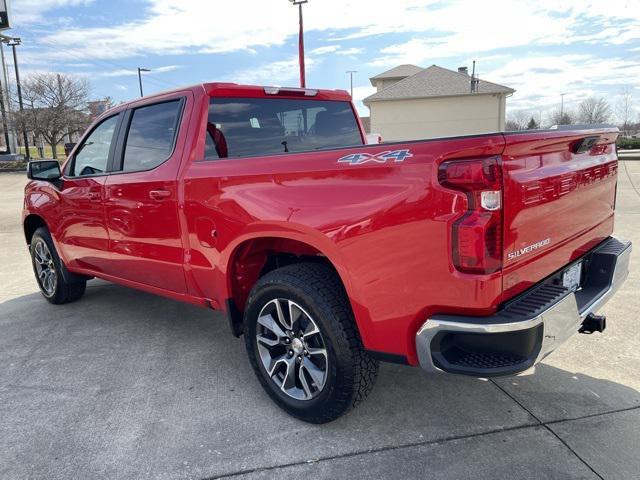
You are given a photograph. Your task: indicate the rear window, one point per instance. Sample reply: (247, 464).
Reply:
(247, 127)
(152, 133)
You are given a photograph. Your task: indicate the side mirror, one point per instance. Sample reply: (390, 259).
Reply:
(48, 170)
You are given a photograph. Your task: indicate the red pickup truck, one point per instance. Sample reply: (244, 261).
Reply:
(474, 255)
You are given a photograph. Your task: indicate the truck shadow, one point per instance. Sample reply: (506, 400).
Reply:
(133, 380)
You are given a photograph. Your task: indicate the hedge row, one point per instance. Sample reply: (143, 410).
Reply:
(628, 143)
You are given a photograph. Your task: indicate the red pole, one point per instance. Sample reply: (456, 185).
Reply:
(303, 82)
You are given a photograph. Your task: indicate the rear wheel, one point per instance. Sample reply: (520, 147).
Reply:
(303, 344)
(56, 284)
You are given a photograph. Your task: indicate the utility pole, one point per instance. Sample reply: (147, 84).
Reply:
(140, 70)
(11, 146)
(303, 81)
(13, 43)
(351, 72)
(5, 125)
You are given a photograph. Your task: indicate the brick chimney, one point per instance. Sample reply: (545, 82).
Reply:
(464, 70)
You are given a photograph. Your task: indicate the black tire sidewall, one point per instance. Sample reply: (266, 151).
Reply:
(337, 348)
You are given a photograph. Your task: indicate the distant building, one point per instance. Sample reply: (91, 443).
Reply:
(413, 103)
(366, 124)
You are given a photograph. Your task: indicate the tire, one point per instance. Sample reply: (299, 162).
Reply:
(56, 283)
(324, 386)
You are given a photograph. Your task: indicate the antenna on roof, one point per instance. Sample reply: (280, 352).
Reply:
(474, 79)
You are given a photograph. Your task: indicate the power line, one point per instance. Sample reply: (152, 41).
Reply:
(82, 56)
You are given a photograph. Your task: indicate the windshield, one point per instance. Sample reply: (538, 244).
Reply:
(247, 127)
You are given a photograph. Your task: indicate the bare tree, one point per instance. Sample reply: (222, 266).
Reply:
(54, 106)
(624, 110)
(517, 121)
(556, 117)
(594, 110)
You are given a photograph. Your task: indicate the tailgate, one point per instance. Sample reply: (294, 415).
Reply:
(559, 196)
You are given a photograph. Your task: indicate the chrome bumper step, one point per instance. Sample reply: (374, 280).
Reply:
(527, 328)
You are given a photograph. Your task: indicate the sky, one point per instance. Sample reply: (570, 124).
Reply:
(540, 48)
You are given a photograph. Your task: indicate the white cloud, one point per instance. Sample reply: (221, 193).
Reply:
(458, 27)
(476, 27)
(336, 49)
(124, 72)
(350, 51)
(34, 11)
(325, 50)
(539, 80)
(273, 73)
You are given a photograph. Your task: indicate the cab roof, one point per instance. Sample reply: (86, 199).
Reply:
(227, 89)
(261, 91)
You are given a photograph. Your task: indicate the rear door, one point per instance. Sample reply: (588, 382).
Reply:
(141, 196)
(559, 198)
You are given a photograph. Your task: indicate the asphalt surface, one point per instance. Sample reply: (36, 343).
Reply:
(125, 385)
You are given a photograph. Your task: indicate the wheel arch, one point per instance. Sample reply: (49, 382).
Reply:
(252, 257)
(30, 224)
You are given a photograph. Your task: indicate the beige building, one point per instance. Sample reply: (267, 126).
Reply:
(413, 103)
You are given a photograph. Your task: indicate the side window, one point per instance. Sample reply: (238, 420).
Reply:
(93, 155)
(151, 135)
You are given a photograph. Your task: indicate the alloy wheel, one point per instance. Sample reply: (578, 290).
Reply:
(45, 268)
(291, 348)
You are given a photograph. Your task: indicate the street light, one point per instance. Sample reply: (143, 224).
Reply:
(140, 70)
(351, 72)
(13, 42)
(562, 107)
(299, 3)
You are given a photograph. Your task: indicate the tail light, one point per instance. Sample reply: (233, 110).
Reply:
(477, 235)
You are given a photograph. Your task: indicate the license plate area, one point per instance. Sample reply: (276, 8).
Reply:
(572, 276)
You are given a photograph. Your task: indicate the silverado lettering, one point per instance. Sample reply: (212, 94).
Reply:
(230, 197)
(528, 249)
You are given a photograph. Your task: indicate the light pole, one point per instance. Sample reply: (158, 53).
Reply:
(351, 72)
(13, 43)
(562, 107)
(299, 3)
(5, 123)
(140, 70)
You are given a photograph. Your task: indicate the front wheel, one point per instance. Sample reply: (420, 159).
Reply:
(50, 272)
(303, 344)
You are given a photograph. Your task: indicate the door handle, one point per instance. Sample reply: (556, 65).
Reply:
(159, 194)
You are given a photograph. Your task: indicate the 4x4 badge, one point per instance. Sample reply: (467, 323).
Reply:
(359, 158)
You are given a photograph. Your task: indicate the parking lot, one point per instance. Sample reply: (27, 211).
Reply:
(126, 385)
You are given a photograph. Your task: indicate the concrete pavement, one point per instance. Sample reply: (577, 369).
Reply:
(125, 385)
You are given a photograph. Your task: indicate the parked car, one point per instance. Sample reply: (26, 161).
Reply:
(473, 255)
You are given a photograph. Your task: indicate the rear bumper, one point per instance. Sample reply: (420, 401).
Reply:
(527, 328)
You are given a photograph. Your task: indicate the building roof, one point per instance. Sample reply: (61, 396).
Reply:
(434, 81)
(401, 71)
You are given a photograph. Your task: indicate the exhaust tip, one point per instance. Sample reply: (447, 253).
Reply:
(593, 323)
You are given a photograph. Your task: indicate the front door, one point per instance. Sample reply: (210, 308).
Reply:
(141, 198)
(82, 235)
